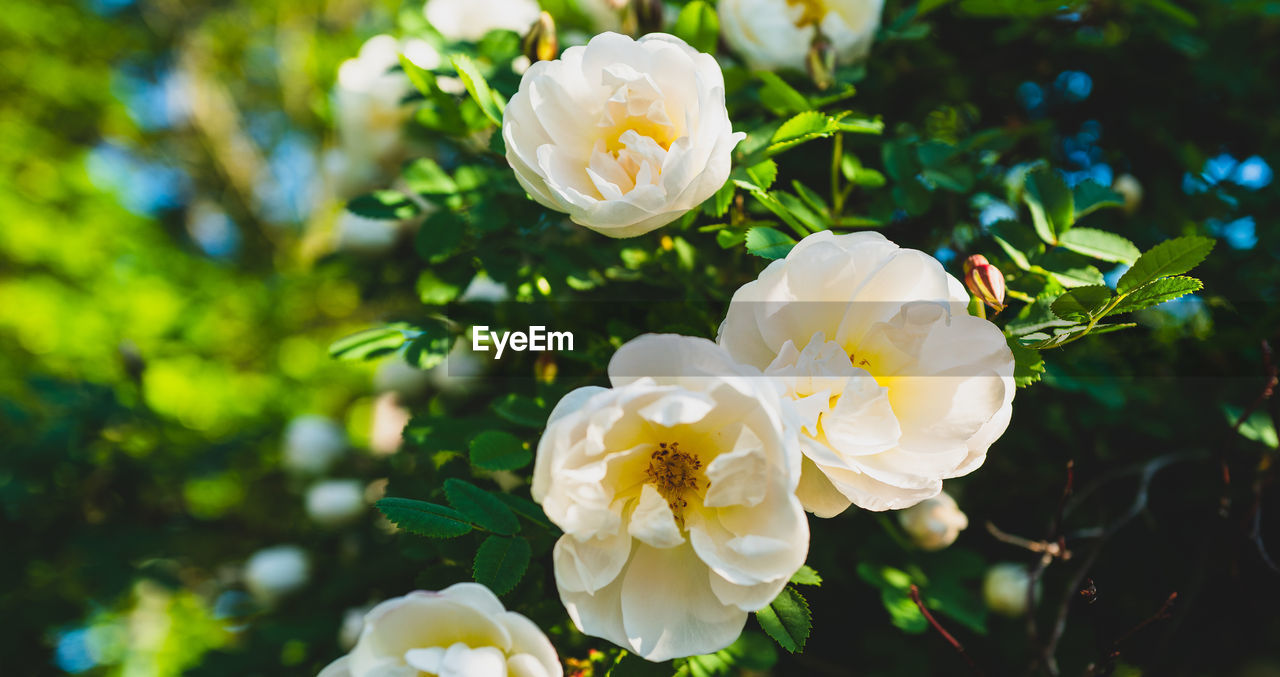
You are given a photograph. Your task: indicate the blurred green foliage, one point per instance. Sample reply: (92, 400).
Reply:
(169, 292)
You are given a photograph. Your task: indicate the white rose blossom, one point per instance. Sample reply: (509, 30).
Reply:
(369, 111)
(934, 523)
(675, 490)
(312, 444)
(471, 19)
(777, 34)
(896, 385)
(461, 631)
(623, 135)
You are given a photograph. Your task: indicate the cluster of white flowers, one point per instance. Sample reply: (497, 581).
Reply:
(848, 373)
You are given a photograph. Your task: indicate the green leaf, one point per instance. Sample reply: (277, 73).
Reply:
(1028, 364)
(780, 97)
(498, 450)
(1171, 257)
(439, 236)
(426, 177)
(763, 174)
(772, 204)
(722, 200)
(1052, 205)
(1068, 269)
(1081, 303)
(383, 205)
(1043, 341)
(501, 562)
(1164, 289)
(699, 26)
(815, 201)
(526, 509)
(806, 126)
(1017, 241)
(1099, 245)
(370, 343)
(1258, 427)
(480, 507)
(1090, 196)
(424, 519)
(899, 161)
(429, 348)
(787, 620)
(521, 410)
(801, 211)
(728, 239)
(478, 87)
(433, 291)
(769, 243)
(806, 575)
(927, 6)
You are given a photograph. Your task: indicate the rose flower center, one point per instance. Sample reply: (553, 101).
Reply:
(811, 13)
(674, 473)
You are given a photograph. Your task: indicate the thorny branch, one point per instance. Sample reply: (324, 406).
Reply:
(955, 644)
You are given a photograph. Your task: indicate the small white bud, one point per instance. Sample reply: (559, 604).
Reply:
(934, 523)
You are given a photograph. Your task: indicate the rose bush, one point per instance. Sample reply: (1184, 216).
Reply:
(778, 34)
(623, 135)
(675, 489)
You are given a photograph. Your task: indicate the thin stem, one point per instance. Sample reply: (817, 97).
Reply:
(955, 644)
(837, 157)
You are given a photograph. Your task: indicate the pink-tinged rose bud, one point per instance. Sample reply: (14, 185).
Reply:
(986, 282)
(973, 261)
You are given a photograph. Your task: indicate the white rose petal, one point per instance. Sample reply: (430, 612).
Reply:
(461, 631)
(623, 135)
(934, 523)
(312, 444)
(777, 34)
(471, 19)
(675, 490)
(895, 386)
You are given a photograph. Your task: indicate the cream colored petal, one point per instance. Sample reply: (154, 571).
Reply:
(652, 522)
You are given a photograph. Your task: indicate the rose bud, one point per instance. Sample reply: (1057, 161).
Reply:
(540, 43)
(1005, 589)
(934, 523)
(985, 281)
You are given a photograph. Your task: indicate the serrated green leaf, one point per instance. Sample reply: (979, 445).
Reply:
(498, 450)
(1099, 244)
(1090, 196)
(806, 575)
(1152, 293)
(780, 97)
(768, 242)
(1068, 268)
(501, 562)
(490, 104)
(383, 205)
(1081, 303)
(1051, 203)
(521, 410)
(698, 25)
(481, 507)
(1171, 257)
(1028, 364)
(728, 239)
(806, 126)
(526, 509)
(1017, 241)
(787, 619)
(1044, 340)
(772, 204)
(763, 174)
(424, 519)
(370, 343)
(719, 204)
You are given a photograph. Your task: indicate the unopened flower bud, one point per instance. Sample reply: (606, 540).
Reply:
(820, 62)
(933, 524)
(1129, 186)
(540, 43)
(1005, 589)
(985, 281)
(649, 15)
(545, 368)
